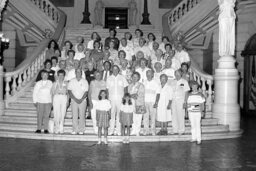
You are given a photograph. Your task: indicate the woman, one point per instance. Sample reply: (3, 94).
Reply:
(163, 104)
(96, 54)
(151, 40)
(138, 35)
(60, 101)
(67, 46)
(186, 74)
(137, 91)
(94, 37)
(47, 68)
(165, 40)
(50, 52)
(95, 87)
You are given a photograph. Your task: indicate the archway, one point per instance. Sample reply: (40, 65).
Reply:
(249, 54)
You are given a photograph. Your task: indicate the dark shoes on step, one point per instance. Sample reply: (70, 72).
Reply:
(39, 131)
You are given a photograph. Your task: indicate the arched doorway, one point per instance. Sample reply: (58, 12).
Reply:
(249, 54)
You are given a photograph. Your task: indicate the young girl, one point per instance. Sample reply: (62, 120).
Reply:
(103, 107)
(195, 103)
(126, 112)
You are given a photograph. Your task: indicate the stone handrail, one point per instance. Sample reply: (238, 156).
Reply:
(206, 83)
(48, 8)
(180, 10)
(25, 73)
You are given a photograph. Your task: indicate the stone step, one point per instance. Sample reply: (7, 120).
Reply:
(89, 129)
(112, 139)
(68, 121)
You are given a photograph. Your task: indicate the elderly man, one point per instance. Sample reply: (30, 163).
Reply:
(117, 86)
(78, 89)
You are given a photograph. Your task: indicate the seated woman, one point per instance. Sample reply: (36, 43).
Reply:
(47, 68)
(67, 46)
(94, 37)
(96, 54)
(50, 52)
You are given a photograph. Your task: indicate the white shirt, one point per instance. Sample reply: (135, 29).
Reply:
(72, 74)
(195, 98)
(128, 50)
(170, 73)
(151, 88)
(150, 45)
(180, 88)
(115, 86)
(142, 72)
(90, 44)
(162, 47)
(157, 77)
(145, 50)
(42, 92)
(78, 88)
(176, 64)
(182, 56)
(56, 68)
(79, 56)
(103, 105)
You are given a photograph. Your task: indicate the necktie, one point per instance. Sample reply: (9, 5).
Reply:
(106, 75)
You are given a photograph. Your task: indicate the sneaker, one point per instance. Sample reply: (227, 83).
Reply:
(128, 140)
(124, 141)
(46, 131)
(106, 141)
(81, 133)
(198, 142)
(73, 133)
(38, 131)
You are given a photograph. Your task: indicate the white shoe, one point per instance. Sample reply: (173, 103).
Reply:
(73, 133)
(128, 140)
(81, 133)
(99, 142)
(124, 141)
(106, 141)
(198, 142)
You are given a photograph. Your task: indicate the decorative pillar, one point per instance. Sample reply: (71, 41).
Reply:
(1, 91)
(86, 13)
(145, 15)
(226, 107)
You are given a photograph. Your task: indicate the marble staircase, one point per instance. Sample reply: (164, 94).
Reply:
(19, 121)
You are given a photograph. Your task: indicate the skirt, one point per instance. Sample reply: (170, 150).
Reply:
(126, 119)
(102, 118)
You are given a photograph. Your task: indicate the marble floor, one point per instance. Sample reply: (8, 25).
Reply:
(33, 155)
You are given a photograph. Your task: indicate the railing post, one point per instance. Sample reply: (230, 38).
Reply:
(1, 91)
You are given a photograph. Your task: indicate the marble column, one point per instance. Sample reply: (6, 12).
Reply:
(86, 13)
(1, 90)
(226, 107)
(145, 15)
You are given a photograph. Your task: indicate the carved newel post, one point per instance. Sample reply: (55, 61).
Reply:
(145, 15)
(226, 107)
(86, 13)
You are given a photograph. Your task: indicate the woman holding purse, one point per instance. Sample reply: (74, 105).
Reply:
(137, 91)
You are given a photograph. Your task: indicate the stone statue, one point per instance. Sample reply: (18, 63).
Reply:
(2, 6)
(132, 11)
(227, 18)
(98, 11)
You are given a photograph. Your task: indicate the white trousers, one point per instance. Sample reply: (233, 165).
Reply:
(114, 121)
(78, 111)
(93, 115)
(195, 120)
(178, 114)
(150, 113)
(59, 110)
(136, 126)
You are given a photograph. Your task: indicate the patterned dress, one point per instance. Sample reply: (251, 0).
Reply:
(102, 113)
(126, 114)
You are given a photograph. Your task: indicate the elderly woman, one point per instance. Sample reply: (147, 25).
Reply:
(47, 68)
(137, 91)
(95, 87)
(96, 54)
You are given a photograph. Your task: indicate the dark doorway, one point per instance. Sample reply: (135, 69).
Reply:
(116, 18)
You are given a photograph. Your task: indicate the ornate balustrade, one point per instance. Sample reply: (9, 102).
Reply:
(25, 73)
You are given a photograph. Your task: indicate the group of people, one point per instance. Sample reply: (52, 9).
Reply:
(126, 85)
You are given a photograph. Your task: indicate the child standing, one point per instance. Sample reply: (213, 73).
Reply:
(103, 115)
(195, 103)
(126, 116)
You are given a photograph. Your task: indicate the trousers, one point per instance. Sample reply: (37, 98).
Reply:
(59, 110)
(195, 120)
(93, 115)
(136, 126)
(150, 113)
(78, 111)
(43, 115)
(178, 114)
(114, 121)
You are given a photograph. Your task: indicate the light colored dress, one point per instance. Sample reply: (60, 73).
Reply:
(166, 93)
(126, 113)
(102, 113)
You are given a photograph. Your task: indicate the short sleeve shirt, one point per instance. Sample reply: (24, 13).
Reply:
(78, 88)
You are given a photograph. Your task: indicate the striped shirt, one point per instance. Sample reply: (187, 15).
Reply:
(194, 100)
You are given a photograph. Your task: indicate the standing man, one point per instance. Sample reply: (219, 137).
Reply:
(117, 86)
(78, 89)
(180, 92)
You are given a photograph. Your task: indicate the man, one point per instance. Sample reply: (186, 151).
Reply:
(151, 88)
(180, 91)
(116, 86)
(112, 37)
(78, 89)
(72, 73)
